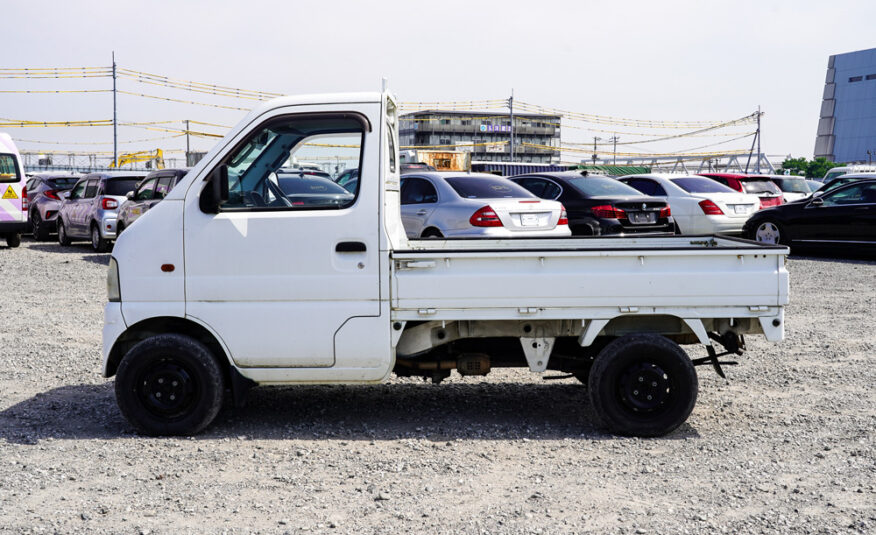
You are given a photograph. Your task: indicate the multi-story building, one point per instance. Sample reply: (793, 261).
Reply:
(486, 135)
(847, 127)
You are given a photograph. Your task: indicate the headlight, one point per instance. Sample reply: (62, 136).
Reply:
(113, 292)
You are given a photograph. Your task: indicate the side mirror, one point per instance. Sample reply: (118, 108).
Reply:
(215, 190)
(816, 201)
(130, 195)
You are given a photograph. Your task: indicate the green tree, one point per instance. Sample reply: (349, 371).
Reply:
(809, 168)
(797, 166)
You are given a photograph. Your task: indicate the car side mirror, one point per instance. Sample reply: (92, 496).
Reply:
(130, 195)
(215, 190)
(817, 201)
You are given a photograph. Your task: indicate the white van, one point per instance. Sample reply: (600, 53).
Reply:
(844, 170)
(13, 193)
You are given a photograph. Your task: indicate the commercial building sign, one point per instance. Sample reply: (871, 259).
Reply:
(495, 128)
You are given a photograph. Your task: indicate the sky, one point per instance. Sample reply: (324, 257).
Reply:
(671, 60)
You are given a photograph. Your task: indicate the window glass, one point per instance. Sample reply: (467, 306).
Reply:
(165, 184)
(760, 186)
(9, 169)
(792, 185)
(390, 135)
(78, 190)
(62, 183)
(855, 194)
(700, 185)
(533, 185)
(551, 190)
(146, 191)
(480, 187)
(120, 187)
(291, 164)
(91, 189)
(418, 191)
(599, 186)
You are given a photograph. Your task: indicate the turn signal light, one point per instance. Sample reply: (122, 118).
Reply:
(109, 204)
(485, 217)
(607, 211)
(710, 208)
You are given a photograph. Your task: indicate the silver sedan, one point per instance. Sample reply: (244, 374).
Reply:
(454, 204)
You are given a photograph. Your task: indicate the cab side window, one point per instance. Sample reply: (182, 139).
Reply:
(857, 194)
(146, 190)
(418, 191)
(90, 189)
(164, 186)
(78, 190)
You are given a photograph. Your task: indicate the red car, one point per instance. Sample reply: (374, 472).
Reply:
(769, 193)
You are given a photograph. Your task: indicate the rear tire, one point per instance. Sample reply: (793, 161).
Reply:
(63, 239)
(169, 384)
(98, 243)
(13, 240)
(643, 385)
(39, 229)
(769, 231)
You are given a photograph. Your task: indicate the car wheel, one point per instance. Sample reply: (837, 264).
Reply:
(119, 230)
(63, 239)
(13, 240)
(169, 384)
(768, 231)
(98, 243)
(39, 229)
(643, 385)
(432, 233)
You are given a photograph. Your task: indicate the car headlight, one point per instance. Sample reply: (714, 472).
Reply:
(113, 292)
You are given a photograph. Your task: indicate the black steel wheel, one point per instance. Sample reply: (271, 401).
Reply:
(169, 384)
(63, 239)
(643, 385)
(38, 227)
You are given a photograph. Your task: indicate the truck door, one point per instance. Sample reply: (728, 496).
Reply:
(279, 272)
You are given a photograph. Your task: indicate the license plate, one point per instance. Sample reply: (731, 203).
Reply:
(740, 208)
(529, 220)
(643, 218)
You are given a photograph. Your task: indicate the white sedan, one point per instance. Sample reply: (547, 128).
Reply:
(699, 205)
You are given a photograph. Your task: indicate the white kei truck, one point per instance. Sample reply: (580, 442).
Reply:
(253, 272)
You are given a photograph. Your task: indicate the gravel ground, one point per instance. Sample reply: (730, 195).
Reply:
(785, 446)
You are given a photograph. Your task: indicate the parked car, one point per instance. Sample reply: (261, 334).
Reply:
(308, 189)
(841, 180)
(13, 192)
(409, 167)
(599, 205)
(699, 205)
(768, 193)
(149, 192)
(452, 204)
(91, 210)
(844, 217)
(45, 193)
(835, 172)
(348, 180)
(793, 188)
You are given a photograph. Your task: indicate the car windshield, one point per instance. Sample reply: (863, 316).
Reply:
(700, 185)
(793, 185)
(120, 187)
(760, 186)
(479, 187)
(62, 183)
(598, 186)
(309, 185)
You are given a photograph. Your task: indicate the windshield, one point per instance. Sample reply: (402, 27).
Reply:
(833, 174)
(760, 186)
(700, 185)
(120, 187)
(311, 185)
(793, 185)
(478, 187)
(62, 183)
(597, 186)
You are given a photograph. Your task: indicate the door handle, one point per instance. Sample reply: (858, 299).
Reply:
(422, 212)
(350, 247)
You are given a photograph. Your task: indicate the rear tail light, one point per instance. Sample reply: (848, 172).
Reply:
(109, 204)
(23, 198)
(710, 208)
(665, 212)
(607, 211)
(52, 194)
(485, 217)
(564, 218)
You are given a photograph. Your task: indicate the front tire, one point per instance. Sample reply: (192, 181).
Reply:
(63, 239)
(769, 231)
(643, 385)
(39, 229)
(13, 240)
(169, 384)
(98, 242)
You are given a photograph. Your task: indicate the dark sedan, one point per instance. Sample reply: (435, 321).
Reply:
(599, 205)
(842, 218)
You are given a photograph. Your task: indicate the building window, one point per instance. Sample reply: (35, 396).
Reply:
(871, 77)
(856, 78)
(444, 142)
(444, 121)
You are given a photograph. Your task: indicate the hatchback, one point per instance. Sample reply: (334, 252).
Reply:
(91, 210)
(150, 191)
(599, 205)
(452, 204)
(46, 195)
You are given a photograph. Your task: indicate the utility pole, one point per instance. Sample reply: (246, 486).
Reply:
(188, 158)
(614, 153)
(757, 163)
(595, 139)
(511, 108)
(115, 118)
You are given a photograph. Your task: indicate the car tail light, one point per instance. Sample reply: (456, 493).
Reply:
(607, 211)
(710, 208)
(23, 198)
(109, 204)
(665, 212)
(52, 194)
(564, 218)
(485, 217)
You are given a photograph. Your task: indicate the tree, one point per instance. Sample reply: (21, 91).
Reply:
(797, 166)
(809, 168)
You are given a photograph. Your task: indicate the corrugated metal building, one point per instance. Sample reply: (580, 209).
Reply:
(847, 127)
(487, 135)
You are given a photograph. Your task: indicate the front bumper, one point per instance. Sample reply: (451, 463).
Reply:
(113, 327)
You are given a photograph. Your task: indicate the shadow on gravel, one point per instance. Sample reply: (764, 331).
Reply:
(484, 411)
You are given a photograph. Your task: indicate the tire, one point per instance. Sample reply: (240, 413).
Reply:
(39, 229)
(63, 239)
(119, 229)
(432, 233)
(13, 240)
(769, 231)
(98, 242)
(657, 363)
(180, 369)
